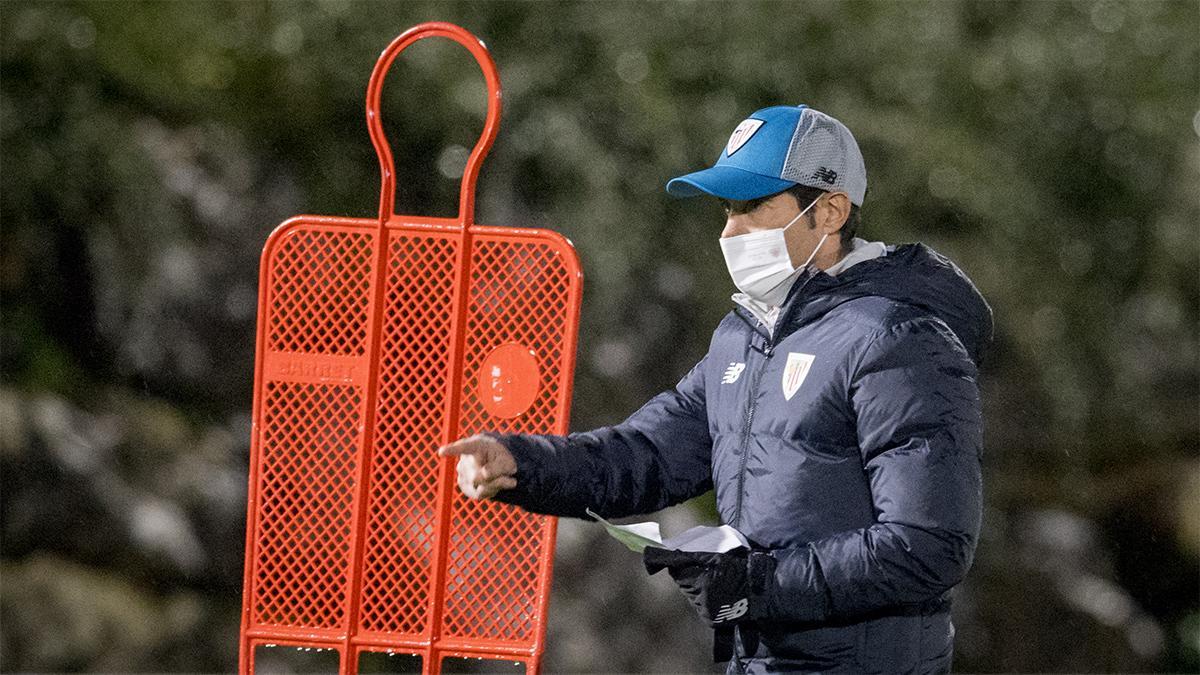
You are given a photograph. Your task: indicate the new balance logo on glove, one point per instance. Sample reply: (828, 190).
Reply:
(731, 612)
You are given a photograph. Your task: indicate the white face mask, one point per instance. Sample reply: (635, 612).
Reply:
(760, 264)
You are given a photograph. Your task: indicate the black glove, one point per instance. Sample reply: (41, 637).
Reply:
(721, 586)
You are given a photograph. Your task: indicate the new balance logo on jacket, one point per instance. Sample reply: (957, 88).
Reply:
(733, 372)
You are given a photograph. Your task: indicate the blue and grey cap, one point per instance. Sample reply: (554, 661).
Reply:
(776, 148)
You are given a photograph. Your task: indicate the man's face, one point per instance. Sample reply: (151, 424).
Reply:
(774, 212)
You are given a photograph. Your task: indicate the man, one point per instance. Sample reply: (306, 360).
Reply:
(836, 414)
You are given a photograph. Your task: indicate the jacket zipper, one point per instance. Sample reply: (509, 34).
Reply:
(750, 407)
(773, 338)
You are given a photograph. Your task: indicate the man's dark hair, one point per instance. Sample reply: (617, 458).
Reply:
(806, 195)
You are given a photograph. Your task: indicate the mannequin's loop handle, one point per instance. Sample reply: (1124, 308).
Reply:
(387, 196)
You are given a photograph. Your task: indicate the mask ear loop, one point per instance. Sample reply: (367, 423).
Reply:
(801, 214)
(823, 237)
(814, 253)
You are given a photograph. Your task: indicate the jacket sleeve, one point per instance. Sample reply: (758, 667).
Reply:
(919, 424)
(660, 456)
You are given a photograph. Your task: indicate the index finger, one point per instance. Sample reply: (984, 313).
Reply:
(462, 446)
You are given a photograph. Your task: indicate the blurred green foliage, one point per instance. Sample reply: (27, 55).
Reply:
(1050, 148)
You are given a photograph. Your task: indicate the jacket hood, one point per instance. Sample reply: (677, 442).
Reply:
(910, 273)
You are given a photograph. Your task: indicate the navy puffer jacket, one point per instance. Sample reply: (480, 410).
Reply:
(847, 444)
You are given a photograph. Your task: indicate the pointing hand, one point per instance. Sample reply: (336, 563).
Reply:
(485, 466)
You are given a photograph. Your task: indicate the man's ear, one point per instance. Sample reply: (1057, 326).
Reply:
(833, 213)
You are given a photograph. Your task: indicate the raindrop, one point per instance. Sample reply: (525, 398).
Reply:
(453, 161)
(1145, 637)
(288, 38)
(988, 71)
(1029, 48)
(674, 281)
(613, 358)
(1107, 17)
(334, 7)
(632, 66)
(1075, 257)
(1048, 323)
(240, 302)
(81, 33)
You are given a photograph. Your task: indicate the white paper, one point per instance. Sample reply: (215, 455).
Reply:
(705, 538)
(699, 539)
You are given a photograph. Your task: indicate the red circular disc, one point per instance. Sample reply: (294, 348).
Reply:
(509, 380)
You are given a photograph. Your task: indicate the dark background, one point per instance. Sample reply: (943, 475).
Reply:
(1050, 148)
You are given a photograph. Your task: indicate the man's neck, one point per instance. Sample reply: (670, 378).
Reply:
(824, 261)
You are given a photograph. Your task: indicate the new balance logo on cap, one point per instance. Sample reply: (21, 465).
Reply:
(731, 612)
(732, 373)
(825, 174)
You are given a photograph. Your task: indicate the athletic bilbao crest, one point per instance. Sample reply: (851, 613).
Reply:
(794, 372)
(740, 135)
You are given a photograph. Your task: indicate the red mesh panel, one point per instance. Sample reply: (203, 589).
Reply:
(519, 294)
(309, 458)
(409, 427)
(494, 558)
(319, 300)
